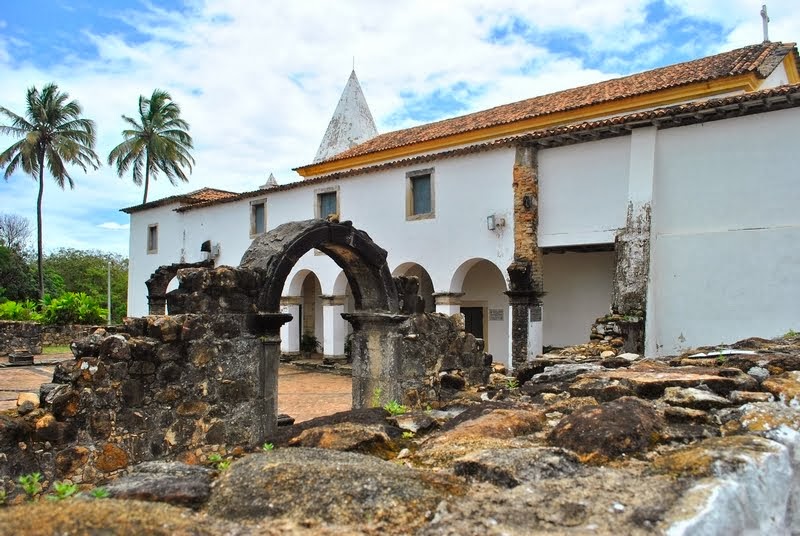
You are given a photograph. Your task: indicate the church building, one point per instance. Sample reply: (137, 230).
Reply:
(665, 202)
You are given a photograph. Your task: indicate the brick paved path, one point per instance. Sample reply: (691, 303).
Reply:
(301, 394)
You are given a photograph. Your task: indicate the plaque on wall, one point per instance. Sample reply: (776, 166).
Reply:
(536, 313)
(496, 314)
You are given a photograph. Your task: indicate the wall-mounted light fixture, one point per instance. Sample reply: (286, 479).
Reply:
(493, 221)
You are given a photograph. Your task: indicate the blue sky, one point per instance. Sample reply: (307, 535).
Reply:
(258, 81)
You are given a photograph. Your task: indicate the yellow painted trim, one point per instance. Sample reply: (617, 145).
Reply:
(790, 64)
(745, 82)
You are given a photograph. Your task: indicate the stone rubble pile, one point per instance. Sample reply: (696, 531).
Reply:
(702, 443)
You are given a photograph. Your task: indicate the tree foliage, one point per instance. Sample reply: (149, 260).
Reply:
(15, 231)
(158, 142)
(86, 271)
(52, 133)
(16, 279)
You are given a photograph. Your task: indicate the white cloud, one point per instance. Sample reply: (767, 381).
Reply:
(233, 79)
(114, 226)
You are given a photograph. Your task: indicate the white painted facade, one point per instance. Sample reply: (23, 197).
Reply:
(723, 257)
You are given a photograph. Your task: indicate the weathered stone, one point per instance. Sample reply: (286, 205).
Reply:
(511, 467)
(111, 458)
(192, 408)
(785, 387)
(414, 422)
(452, 381)
(602, 388)
(684, 415)
(611, 430)
(690, 397)
(170, 482)
(745, 397)
(565, 372)
(32, 398)
(112, 516)
(329, 486)
(350, 437)
(762, 418)
(115, 348)
(607, 353)
(71, 459)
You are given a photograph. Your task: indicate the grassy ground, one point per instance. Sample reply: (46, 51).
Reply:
(62, 349)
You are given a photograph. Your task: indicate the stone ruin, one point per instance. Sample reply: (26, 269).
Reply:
(204, 378)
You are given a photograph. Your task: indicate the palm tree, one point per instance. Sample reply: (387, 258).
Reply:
(158, 142)
(54, 134)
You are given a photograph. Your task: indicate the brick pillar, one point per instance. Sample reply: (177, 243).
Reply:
(525, 272)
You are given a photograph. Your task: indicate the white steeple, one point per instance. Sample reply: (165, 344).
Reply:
(271, 183)
(351, 123)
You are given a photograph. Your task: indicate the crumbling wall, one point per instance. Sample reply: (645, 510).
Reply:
(63, 335)
(20, 337)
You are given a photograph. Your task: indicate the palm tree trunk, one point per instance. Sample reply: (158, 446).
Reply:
(39, 227)
(146, 178)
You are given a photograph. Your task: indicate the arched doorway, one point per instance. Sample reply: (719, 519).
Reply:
(481, 288)
(412, 269)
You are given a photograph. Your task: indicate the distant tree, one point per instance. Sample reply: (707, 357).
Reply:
(15, 231)
(87, 271)
(17, 282)
(158, 142)
(51, 133)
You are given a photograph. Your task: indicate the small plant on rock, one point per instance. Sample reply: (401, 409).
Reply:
(376, 397)
(62, 491)
(31, 484)
(219, 462)
(99, 493)
(393, 407)
(512, 383)
(266, 447)
(2, 497)
(408, 434)
(791, 334)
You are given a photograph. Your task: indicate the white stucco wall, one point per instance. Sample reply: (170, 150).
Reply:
(583, 192)
(725, 262)
(577, 290)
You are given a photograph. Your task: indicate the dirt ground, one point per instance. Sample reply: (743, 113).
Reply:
(301, 394)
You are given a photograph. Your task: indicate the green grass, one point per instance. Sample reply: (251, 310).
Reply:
(60, 349)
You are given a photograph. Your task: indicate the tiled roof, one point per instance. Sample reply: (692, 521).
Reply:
(759, 59)
(676, 115)
(203, 195)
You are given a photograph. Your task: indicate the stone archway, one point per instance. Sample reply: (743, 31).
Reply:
(375, 354)
(159, 281)
(273, 254)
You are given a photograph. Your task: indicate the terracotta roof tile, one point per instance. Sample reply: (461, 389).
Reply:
(203, 195)
(760, 59)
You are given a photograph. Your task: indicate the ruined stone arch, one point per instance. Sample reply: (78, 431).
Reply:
(159, 281)
(273, 254)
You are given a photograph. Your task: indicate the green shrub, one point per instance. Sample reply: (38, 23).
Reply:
(72, 308)
(99, 493)
(24, 311)
(31, 484)
(395, 408)
(63, 490)
(309, 343)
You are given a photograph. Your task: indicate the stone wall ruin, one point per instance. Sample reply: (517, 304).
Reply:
(204, 379)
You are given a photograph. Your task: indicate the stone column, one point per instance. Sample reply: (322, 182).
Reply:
(334, 326)
(267, 327)
(376, 353)
(526, 281)
(290, 332)
(632, 244)
(448, 303)
(156, 304)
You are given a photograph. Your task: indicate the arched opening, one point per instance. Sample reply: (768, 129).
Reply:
(412, 269)
(163, 280)
(273, 255)
(484, 304)
(312, 327)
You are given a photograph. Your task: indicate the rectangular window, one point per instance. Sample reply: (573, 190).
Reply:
(327, 204)
(258, 217)
(419, 194)
(152, 238)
